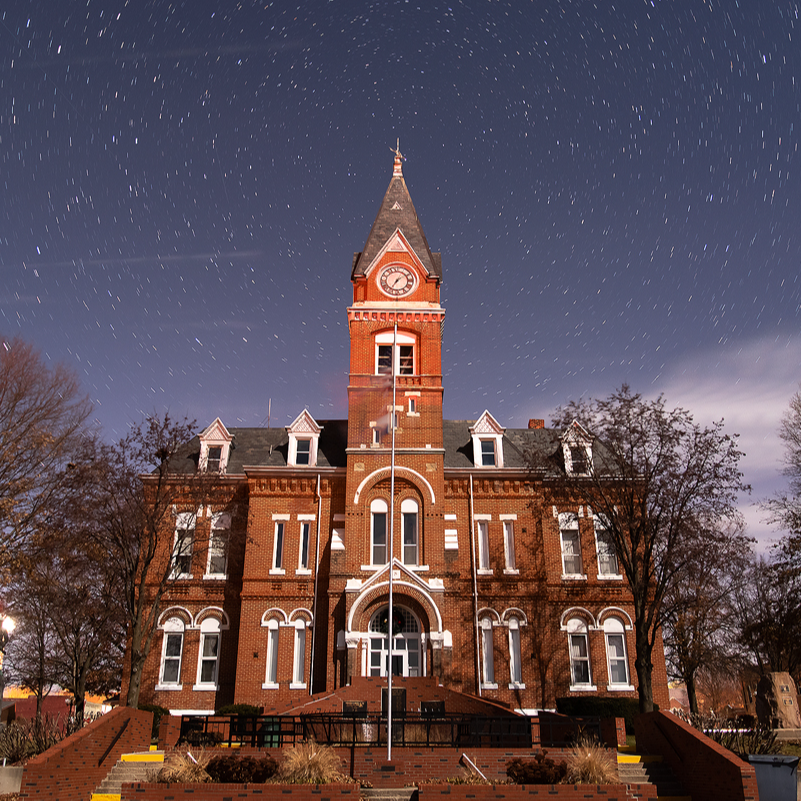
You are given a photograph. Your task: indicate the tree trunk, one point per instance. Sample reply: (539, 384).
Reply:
(692, 695)
(644, 667)
(135, 682)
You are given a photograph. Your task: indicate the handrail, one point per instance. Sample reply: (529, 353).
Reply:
(473, 766)
(114, 741)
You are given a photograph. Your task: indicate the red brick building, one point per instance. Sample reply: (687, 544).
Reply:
(503, 584)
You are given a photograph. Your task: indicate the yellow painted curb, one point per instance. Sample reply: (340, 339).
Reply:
(106, 797)
(632, 759)
(150, 757)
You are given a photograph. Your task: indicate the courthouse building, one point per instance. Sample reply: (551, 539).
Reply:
(504, 583)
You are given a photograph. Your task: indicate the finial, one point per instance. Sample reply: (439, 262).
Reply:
(397, 170)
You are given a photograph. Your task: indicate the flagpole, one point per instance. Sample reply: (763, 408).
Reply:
(391, 540)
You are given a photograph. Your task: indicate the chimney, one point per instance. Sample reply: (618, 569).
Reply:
(536, 423)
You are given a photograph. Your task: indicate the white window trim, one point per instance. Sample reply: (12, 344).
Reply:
(182, 520)
(410, 506)
(486, 626)
(272, 643)
(515, 655)
(582, 630)
(215, 436)
(277, 570)
(302, 570)
(577, 437)
(303, 427)
(171, 626)
(568, 521)
(483, 546)
(509, 546)
(615, 627)
(379, 506)
(387, 338)
(220, 521)
(599, 526)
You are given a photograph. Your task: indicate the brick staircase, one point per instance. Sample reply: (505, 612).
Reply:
(129, 768)
(637, 769)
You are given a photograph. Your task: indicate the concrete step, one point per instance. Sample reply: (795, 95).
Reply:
(650, 769)
(389, 794)
(129, 768)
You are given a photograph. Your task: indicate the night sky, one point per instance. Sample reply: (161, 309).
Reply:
(615, 189)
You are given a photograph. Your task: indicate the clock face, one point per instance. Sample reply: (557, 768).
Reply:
(396, 281)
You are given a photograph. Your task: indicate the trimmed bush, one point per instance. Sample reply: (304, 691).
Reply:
(585, 707)
(235, 769)
(539, 770)
(239, 709)
(158, 713)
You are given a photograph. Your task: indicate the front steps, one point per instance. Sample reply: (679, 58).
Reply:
(636, 769)
(129, 768)
(393, 794)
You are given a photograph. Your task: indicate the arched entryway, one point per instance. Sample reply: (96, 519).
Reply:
(407, 656)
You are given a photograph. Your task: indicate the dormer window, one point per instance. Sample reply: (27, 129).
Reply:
(215, 448)
(304, 435)
(487, 435)
(577, 450)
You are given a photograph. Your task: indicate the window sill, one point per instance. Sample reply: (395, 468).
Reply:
(610, 577)
(182, 577)
(583, 688)
(267, 685)
(303, 571)
(517, 685)
(162, 688)
(620, 688)
(417, 568)
(511, 571)
(491, 685)
(485, 571)
(277, 571)
(574, 576)
(215, 577)
(297, 685)
(372, 568)
(205, 688)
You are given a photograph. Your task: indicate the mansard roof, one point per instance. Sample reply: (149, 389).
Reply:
(397, 212)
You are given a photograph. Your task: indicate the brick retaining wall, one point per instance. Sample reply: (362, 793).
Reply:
(71, 770)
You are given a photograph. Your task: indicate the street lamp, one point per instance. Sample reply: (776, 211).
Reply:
(6, 630)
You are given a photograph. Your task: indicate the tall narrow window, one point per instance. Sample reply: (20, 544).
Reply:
(580, 673)
(488, 452)
(578, 460)
(172, 652)
(607, 556)
(405, 360)
(303, 559)
(272, 653)
(509, 544)
(303, 453)
(571, 544)
(487, 651)
(300, 654)
(218, 544)
(515, 661)
(483, 545)
(378, 532)
(403, 363)
(384, 360)
(214, 458)
(410, 534)
(209, 652)
(278, 549)
(412, 405)
(616, 659)
(182, 547)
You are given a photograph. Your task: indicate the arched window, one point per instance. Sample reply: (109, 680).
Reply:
(406, 652)
(410, 517)
(209, 655)
(404, 360)
(487, 652)
(171, 654)
(378, 532)
(616, 658)
(515, 655)
(580, 668)
(299, 661)
(271, 678)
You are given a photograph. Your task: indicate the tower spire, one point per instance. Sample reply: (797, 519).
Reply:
(397, 170)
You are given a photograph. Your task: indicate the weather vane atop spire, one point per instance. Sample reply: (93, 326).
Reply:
(397, 170)
(396, 150)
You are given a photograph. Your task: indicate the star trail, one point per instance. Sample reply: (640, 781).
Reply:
(614, 188)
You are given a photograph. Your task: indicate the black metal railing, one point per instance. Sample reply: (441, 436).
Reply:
(408, 730)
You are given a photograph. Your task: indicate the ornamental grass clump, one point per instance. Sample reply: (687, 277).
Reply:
(184, 767)
(591, 763)
(311, 763)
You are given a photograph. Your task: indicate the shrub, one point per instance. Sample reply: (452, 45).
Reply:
(23, 739)
(201, 739)
(539, 770)
(158, 713)
(311, 763)
(235, 769)
(239, 709)
(590, 763)
(583, 706)
(14, 743)
(185, 768)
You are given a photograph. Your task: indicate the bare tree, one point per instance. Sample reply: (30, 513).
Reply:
(698, 616)
(42, 411)
(661, 482)
(130, 494)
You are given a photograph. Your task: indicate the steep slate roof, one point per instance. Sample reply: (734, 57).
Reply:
(269, 447)
(388, 219)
